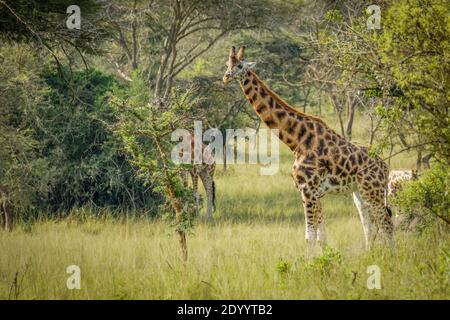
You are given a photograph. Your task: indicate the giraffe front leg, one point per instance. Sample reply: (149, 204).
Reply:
(312, 212)
(194, 177)
(322, 235)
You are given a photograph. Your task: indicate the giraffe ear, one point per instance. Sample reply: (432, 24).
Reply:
(240, 55)
(232, 52)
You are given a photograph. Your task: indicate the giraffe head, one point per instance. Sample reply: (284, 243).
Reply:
(236, 65)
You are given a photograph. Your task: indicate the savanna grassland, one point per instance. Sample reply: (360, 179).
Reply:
(255, 249)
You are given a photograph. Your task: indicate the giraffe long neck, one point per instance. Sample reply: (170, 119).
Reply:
(296, 129)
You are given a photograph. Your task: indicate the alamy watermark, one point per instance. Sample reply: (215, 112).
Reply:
(374, 21)
(200, 147)
(374, 280)
(74, 20)
(74, 280)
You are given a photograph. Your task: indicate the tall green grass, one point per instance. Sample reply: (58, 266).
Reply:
(255, 249)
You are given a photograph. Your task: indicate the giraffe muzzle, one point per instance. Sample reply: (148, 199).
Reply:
(226, 79)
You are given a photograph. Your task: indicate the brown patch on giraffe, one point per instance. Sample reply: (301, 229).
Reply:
(262, 92)
(294, 125)
(321, 147)
(347, 166)
(316, 180)
(352, 159)
(319, 129)
(310, 159)
(261, 107)
(280, 115)
(325, 163)
(247, 92)
(309, 172)
(338, 170)
(308, 140)
(300, 179)
(290, 129)
(269, 122)
(271, 102)
(302, 131)
(334, 181)
(333, 138)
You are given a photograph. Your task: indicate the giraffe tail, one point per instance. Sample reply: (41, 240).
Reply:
(388, 209)
(214, 195)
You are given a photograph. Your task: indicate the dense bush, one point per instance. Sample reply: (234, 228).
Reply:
(427, 198)
(58, 152)
(87, 163)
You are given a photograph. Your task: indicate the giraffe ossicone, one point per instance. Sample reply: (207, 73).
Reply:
(324, 162)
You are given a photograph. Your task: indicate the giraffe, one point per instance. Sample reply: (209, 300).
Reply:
(205, 171)
(397, 179)
(324, 161)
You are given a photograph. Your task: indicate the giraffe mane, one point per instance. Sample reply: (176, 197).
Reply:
(286, 105)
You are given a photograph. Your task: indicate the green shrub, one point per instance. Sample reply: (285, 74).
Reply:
(283, 266)
(428, 197)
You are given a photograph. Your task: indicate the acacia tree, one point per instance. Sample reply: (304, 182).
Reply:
(415, 49)
(343, 60)
(145, 132)
(162, 38)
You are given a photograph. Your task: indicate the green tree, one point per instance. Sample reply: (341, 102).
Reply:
(23, 176)
(416, 48)
(146, 130)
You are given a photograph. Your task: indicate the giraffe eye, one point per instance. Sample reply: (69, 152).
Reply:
(239, 66)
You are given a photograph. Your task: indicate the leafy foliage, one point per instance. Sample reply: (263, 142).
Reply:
(23, 170)
(145, 131)
(88, 165)
(428, 197)
(415, 46)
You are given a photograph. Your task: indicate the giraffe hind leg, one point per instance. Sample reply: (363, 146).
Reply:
(208, 184)
(370, 228)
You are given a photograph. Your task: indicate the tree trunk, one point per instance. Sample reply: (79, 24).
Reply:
(173, 200)
(351, 115)
(2, 218)
(338, 111)
(419, 159)
(8, 216)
